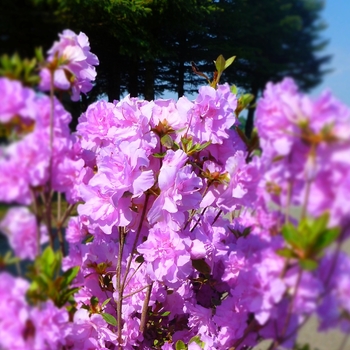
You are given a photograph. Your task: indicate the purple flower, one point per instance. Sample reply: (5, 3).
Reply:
(16, 100)
(51, 326)
(179, 187)
(15, 313)
(212, 114)
(20, 226)
(89, 332)
(167, 255)
(334, 308)
(201, 320)
(166, 113)
(96, 122)
(258, 285)
(328, 112)
(231, 320)
(73, 64)
(237, 186)
(131, 333)
(276, 116)
(121, 175)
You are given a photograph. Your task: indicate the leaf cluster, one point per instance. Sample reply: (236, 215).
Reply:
(308, 240)
(48, 282)
(24, 70)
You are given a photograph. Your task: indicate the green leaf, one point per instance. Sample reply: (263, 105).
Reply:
(8, 259)
(234, 89)
(203, 146)
(105, 302)
(201, 266)
(167, 141)
(166, 313)
(327, 238)
(48, 256)
(320, 224)
(308, 264)
(246, 99)
(291, 235)
(229, 61)
(65, 296)
(220, 64)
(69, 276)
(180, 345)
(110, 319)
(302, 347)
(88, 239)
(159, 155)
(176, 146)
(196, 339)
(94, 301)
(285, 252)
(315, 236)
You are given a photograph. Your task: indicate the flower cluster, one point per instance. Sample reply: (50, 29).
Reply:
(181, 235)
(71, 63)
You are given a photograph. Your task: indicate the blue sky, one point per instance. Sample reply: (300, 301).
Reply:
(336, 14)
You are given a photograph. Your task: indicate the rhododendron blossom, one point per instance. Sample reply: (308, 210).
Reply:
(75, 64)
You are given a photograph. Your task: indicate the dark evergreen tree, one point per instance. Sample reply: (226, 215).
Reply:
(146, 47)
(271, 39)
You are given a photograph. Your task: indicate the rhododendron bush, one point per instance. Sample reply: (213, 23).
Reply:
(157, 225)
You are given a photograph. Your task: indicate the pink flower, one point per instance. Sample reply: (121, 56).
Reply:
(51, 326)
(212, 114)
(179, 187)
(166, 113)
(231, 320)
(89, 332)
(276, 116)
(95, 123)
(16, 100)
(334, 308)
(15, 312)
(167, 255)
(121, 176)
(20, 226)
(75, 68)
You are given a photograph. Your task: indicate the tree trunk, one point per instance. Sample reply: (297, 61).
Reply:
(133, 86)
(113, 81)
(149, 80)
(181, 66)
(181, 79)
(250, 118)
